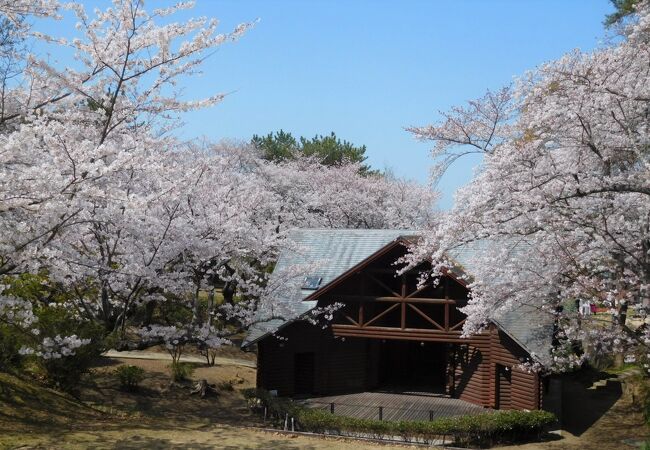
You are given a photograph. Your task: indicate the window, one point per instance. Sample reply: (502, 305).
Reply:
(312, 283)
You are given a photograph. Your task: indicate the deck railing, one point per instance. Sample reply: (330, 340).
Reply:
(386, 412)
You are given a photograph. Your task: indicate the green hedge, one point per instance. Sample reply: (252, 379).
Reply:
(483, 429)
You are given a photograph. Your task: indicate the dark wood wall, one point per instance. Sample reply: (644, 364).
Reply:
(339, 365)
(351, 365)
(480, 373)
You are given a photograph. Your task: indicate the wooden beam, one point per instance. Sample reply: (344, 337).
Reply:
(417, 291)
(419, 331)
(381, 283)
(370, 298)
(360, 314)
(382, 271)
(403, 321)
(374, 319)
(481, 341)
(429, 319)
(351, 319)
(447, 316)
(458, 325)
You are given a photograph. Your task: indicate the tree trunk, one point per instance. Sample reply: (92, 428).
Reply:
(196, 305)
(149, 309)
(228, 292)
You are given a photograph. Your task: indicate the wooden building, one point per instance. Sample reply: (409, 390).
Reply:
(389, 332)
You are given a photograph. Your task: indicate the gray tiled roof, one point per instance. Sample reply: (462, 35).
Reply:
(331, 252)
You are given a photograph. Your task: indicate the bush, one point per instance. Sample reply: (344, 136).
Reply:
(181, 371)
(482, 429)
(130, 376)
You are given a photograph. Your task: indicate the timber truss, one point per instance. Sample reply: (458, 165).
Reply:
(367, 315)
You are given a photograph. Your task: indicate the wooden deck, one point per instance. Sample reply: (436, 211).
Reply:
(395, 406)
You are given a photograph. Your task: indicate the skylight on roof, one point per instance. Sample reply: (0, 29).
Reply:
(311, 283)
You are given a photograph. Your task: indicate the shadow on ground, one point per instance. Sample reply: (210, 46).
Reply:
(584, 402)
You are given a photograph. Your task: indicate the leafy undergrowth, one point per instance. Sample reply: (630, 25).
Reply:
(627, 367)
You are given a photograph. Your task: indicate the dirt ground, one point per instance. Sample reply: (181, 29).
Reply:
(158, 399)
(212, 437)
(162, 416)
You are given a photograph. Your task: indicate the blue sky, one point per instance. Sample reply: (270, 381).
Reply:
(367, 69)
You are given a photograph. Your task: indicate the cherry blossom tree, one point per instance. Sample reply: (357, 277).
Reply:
(560, 209)
(77, 141)
(108, 208)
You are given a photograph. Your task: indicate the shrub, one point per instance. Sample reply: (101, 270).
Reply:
(130, 376)
(482, 429)
(181, 371)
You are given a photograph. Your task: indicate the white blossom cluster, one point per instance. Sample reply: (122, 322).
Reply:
(96, 192)
(16, 311)
(562, 195)
(57, 347)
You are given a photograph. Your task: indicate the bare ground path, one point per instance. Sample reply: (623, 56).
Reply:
(220, 360)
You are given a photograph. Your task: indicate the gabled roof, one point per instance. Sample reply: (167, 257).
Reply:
(526, 324)
(333, 253)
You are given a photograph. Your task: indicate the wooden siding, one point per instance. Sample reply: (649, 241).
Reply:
(339, 366)
(476, 373)
(351, 365)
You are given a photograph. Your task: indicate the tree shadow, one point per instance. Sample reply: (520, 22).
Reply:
(166, 435)
(582, 407)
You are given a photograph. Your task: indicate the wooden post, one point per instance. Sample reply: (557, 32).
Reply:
(403, 324)
(361, 314)
(446, 304)
(381, 413)
(430, 415)
(332, 408)
(446, 316)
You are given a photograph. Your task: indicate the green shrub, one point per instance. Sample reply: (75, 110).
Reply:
(482, 429)
(130, 376)
(181, 371)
